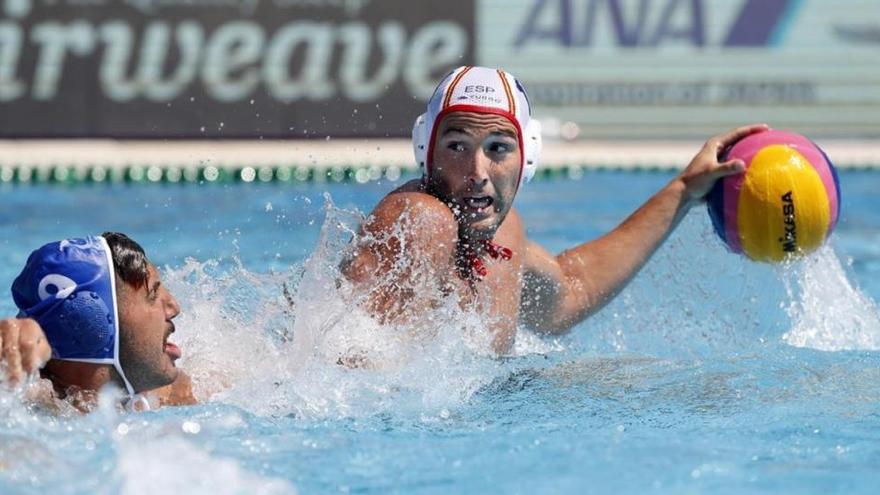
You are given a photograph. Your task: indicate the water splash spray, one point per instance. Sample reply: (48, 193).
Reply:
(827, 311)
(299, 342)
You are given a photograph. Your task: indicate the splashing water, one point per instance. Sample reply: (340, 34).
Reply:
(298, 342)
(827, 312)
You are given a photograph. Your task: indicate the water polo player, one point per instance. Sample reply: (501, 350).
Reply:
(100, 305)
(455, 228)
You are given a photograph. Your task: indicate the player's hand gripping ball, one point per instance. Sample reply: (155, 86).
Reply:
(786, 203)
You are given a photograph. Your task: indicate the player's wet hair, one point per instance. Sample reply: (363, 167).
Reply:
(129, 259)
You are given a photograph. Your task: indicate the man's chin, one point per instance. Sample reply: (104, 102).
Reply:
(479, 229)
(167, 376)
(171, 370)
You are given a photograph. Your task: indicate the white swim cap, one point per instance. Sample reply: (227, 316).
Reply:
(481, 90)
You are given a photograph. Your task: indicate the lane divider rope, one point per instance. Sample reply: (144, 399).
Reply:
(170, 174)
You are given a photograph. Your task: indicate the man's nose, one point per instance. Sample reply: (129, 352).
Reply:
(172, 307)
(478, 174)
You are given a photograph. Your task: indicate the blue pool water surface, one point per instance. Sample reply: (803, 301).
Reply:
(708, 374)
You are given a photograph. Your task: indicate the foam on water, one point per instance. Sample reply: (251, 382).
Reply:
(146, 468)
(108, 451)
(827, 311)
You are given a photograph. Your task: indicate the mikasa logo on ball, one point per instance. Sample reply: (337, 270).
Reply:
(789, 241)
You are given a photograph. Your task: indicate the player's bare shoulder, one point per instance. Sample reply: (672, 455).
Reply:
(411, 206)
(407, 220)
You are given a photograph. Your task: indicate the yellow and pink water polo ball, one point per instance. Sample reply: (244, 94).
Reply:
(786, 203)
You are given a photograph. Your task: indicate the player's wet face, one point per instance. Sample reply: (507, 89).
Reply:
(475, 169)
(145, 321)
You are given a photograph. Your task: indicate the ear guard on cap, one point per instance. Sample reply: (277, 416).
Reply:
(532, 144)
(420, 142)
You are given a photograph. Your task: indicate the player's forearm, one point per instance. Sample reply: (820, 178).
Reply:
(598, 270)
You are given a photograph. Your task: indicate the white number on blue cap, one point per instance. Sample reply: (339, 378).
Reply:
(59, 285)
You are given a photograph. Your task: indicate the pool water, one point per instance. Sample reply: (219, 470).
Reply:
(708, 374)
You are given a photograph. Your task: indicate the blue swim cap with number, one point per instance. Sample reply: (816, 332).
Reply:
(69, 288)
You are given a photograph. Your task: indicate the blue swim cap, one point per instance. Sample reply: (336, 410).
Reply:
(69, 288)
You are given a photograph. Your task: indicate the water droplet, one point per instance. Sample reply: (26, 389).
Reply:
(191, 427)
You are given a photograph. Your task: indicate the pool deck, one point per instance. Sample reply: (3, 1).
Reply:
(65, 160)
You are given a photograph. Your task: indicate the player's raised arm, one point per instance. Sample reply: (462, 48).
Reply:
(560, 291)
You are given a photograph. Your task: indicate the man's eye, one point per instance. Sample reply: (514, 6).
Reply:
(499, 147)
(455, 146)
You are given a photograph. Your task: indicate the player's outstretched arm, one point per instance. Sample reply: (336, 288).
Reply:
(560, 291)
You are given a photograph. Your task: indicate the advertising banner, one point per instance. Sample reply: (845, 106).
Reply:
(224, 68)
(666, 68)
